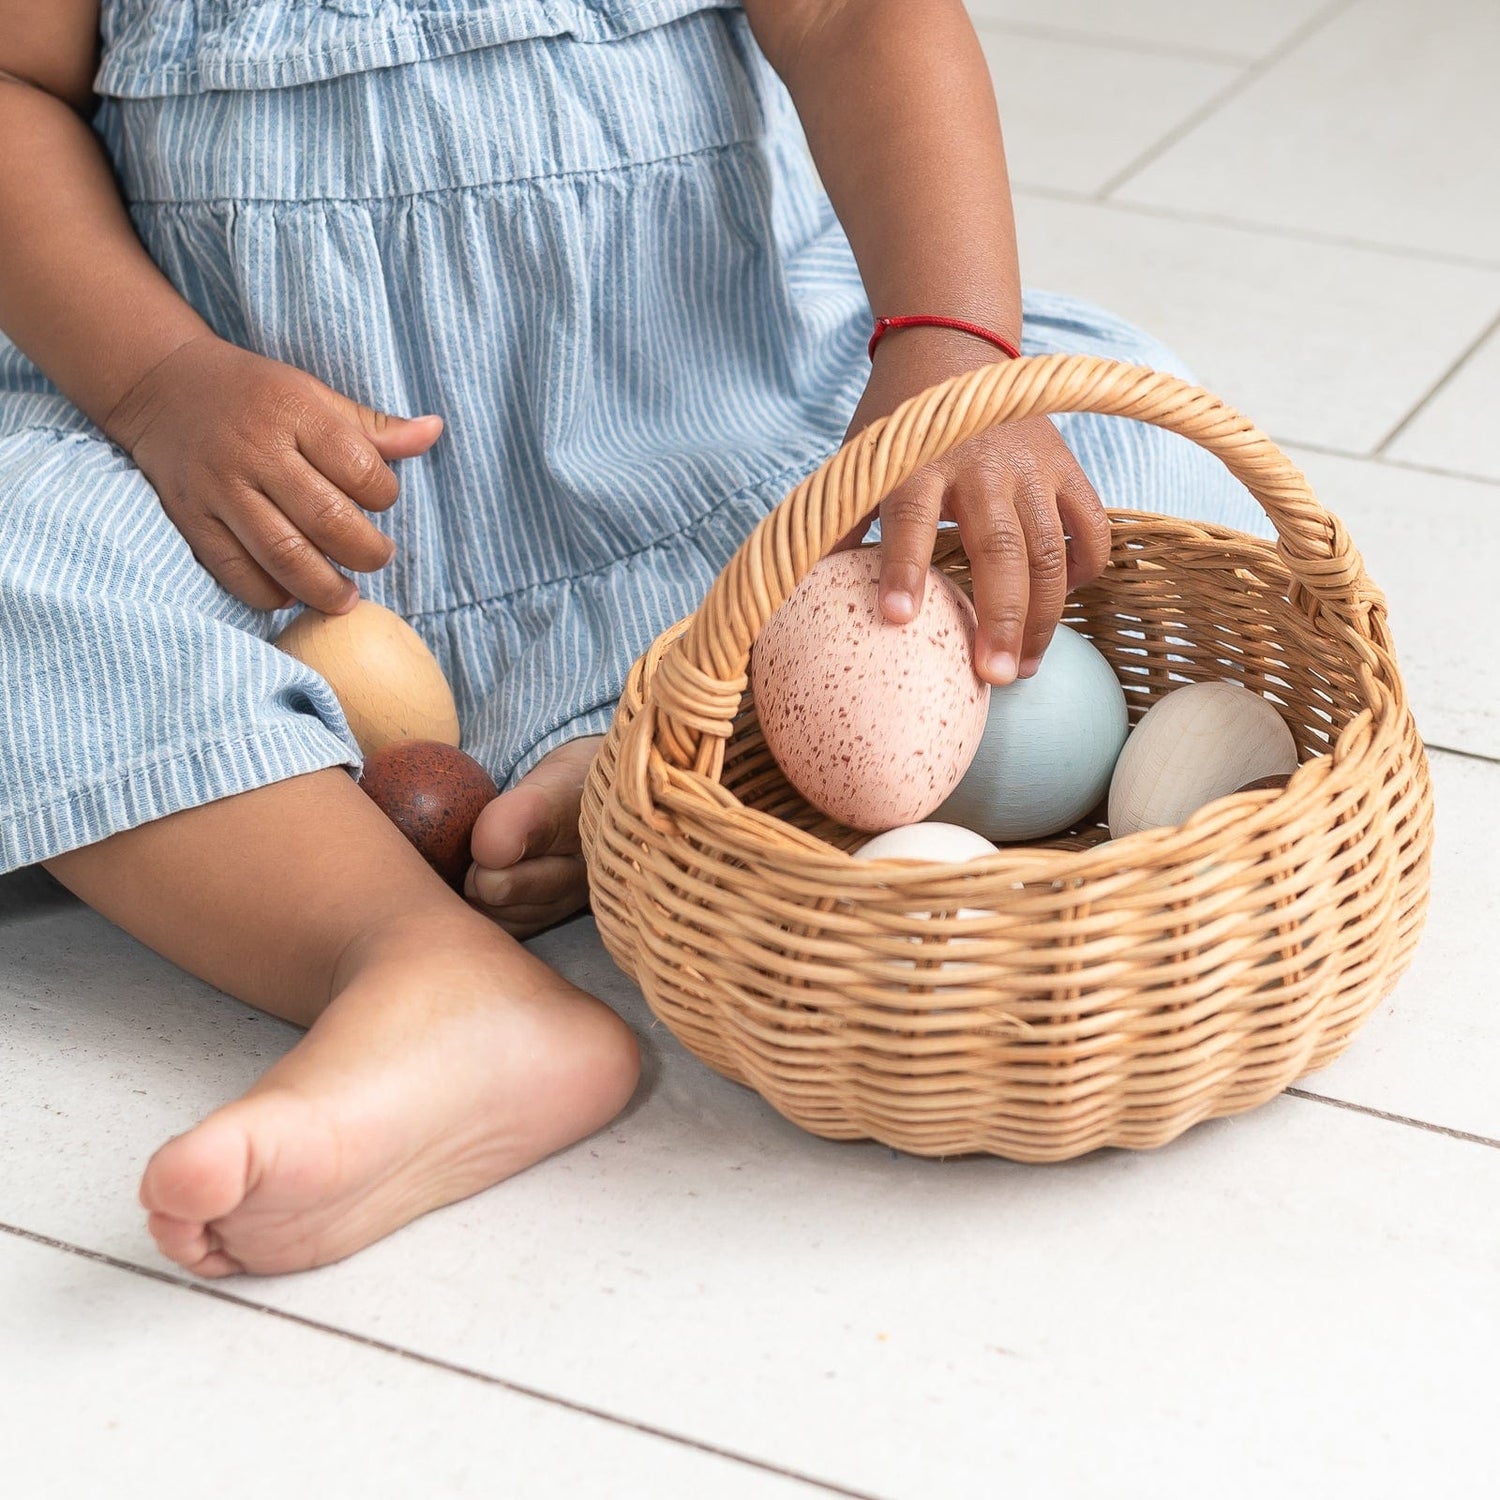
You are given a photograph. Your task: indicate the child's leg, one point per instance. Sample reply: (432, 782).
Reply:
(441, 1058)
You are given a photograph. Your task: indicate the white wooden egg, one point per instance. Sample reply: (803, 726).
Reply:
(942, 843)
(937, 843)
(1200, 742)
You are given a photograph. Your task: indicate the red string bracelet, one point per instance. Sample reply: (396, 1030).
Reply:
(926, 320)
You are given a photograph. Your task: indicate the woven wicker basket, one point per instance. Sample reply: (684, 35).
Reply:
(1055, 997)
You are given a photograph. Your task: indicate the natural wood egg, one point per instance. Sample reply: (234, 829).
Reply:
(388, 683)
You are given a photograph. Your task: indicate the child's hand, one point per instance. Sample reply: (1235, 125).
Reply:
(1030, 521)
(266, 471)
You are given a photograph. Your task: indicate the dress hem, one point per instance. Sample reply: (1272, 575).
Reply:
(596, 720)
(187, 776)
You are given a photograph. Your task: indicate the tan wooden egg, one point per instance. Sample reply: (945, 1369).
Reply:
(1200, 742)
(388, 683)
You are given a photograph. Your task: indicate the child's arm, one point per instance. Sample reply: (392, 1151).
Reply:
(221, 433)
(78, 294)
(896, 101)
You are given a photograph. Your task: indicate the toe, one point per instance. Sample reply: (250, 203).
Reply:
(196, 1247)
(539, 815)
(551, 879)
(516, 824)
(182, 1240)
(215, 1264)
(199, 1176)
(532, 896)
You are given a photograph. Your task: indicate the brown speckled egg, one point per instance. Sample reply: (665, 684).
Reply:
(433, 793)
(872, 722)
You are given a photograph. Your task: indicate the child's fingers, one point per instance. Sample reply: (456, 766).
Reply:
(350, 444)
(286, 555)
(999, 563)
(400, 437)
(908, 527)
(329, 519)
(1046, 567)
(220, 552)
(1087, 527)
(348, 460)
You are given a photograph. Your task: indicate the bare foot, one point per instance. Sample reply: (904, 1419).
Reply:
(528, 869)
(449, 1059)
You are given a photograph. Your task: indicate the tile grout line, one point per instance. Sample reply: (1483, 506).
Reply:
(1248, 75)
(988, 26)
(1479, 755)
(432, 1361)
(1021, 188)
(1444, 380)
(1394, 1119)
(1405, 464)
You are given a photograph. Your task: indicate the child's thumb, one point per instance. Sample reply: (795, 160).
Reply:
(397, 437)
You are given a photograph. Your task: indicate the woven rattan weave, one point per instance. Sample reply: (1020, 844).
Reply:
(1056, 997)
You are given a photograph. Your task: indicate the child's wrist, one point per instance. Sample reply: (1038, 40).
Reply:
(131, 411)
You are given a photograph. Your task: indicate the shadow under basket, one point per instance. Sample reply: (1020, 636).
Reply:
(1057, 996)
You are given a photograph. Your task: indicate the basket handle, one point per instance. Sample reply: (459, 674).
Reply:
(700, 680)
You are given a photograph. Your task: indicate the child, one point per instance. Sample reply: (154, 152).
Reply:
(240, 240)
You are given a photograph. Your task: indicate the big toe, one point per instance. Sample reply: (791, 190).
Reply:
(200, 1176)
(539, 815)
(516, 824)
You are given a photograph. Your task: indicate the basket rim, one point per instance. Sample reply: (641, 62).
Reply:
(1151, 850)
(1331, 774)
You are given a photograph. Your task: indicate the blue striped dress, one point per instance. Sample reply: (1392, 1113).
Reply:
(587, 233)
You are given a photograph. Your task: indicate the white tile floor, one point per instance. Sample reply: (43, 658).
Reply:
(701, 1300)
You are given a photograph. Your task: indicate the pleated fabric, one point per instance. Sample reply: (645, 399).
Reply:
(586, 233)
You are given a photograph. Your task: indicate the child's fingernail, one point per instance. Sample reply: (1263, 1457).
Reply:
(900, 606)
(1000, 665)
(491, 886)
(1029, 666)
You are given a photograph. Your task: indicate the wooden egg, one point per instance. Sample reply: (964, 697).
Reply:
(872, 722)
(433, 793)
(1049, 747)
(935, 843)
(1200, 742)
(941, 843)
(386, 680)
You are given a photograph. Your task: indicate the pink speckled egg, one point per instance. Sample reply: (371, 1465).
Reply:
(873, 723)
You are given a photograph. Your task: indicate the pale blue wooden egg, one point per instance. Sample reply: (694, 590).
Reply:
(1049, 747)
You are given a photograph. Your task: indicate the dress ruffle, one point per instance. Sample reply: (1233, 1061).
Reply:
(152, 49)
